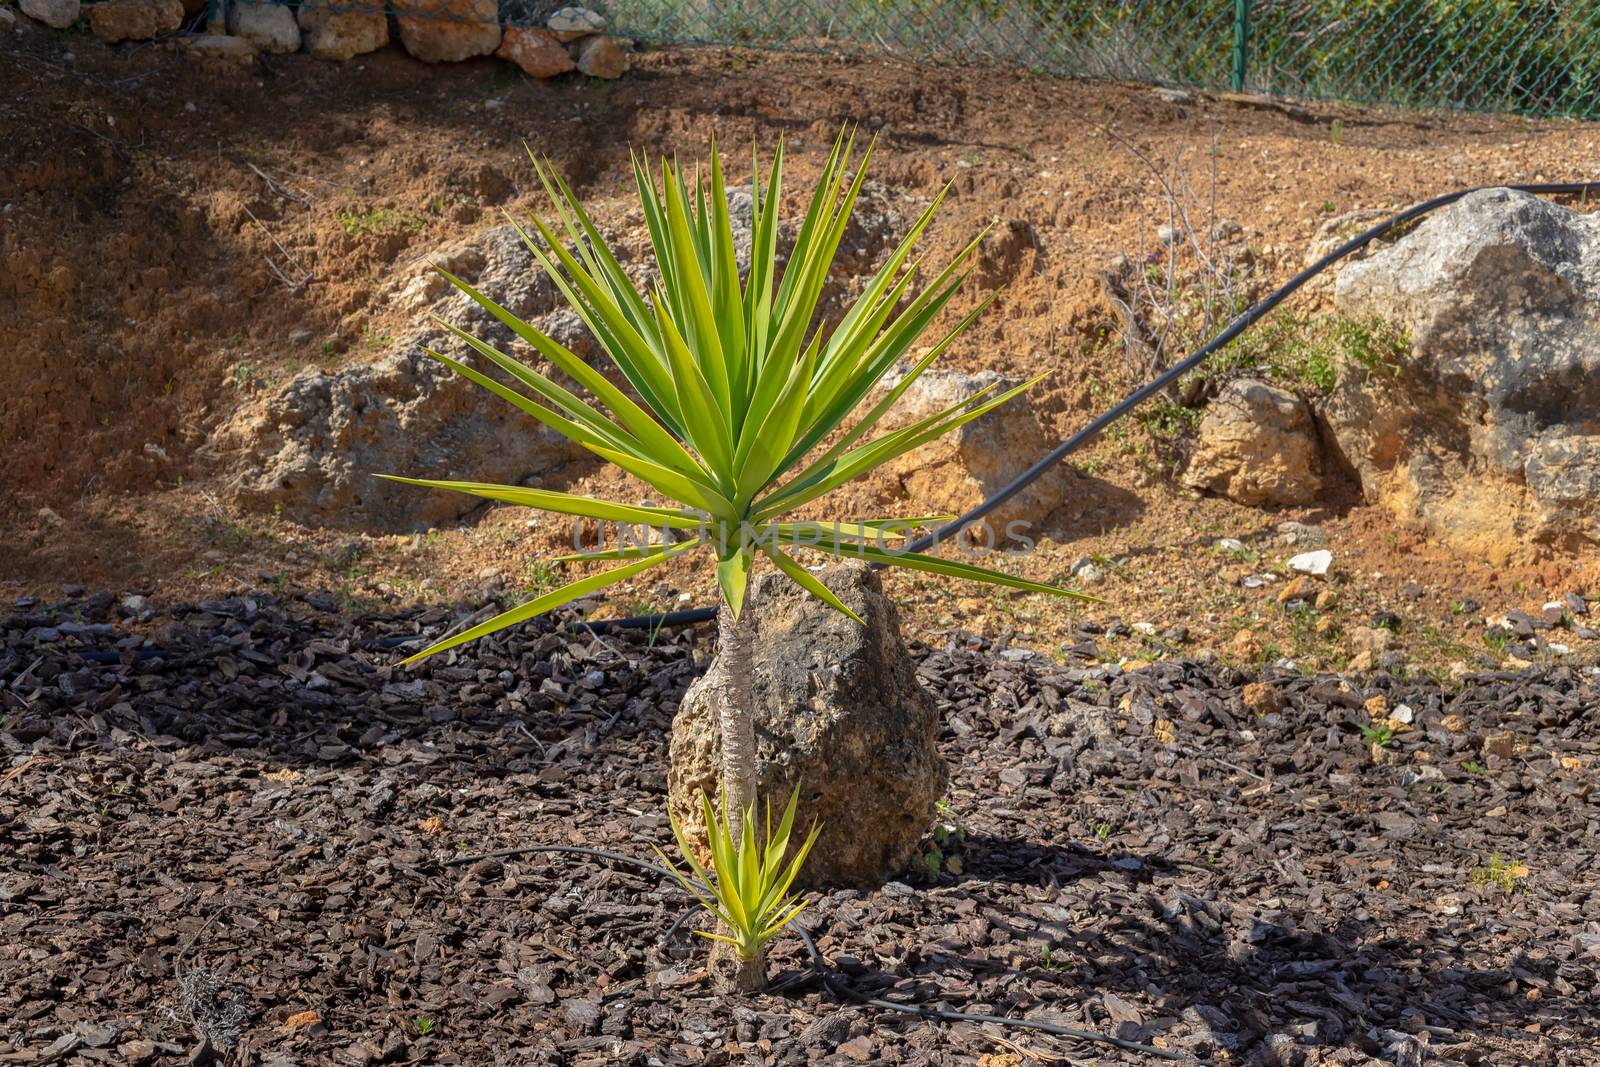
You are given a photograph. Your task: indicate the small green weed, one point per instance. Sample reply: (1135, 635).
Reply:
(1378, 735)
(947, 836)
(1048, 961)
(1500, 874)
(424, 1025)
(372, 220)
(1472, 766)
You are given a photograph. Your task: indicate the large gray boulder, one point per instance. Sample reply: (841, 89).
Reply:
(1488, 432)
(311, 450)
(838, 711)
(1257, 445)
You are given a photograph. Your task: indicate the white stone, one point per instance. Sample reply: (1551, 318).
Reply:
(1315, 563)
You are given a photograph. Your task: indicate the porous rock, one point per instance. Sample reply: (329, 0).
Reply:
(1487, 436)
(330, 32)
(448, 31)
(959, 470)
(537, 51)
(134, 20)
(314, 449)
(839, 711)
(57, 14)
(601, 57)
(271, 27)
(1257, 445)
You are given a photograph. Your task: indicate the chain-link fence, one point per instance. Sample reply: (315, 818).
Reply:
(1538, 57)
(1532, 57)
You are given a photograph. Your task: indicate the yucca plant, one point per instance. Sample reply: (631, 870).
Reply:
(747, 888)
(740, 407)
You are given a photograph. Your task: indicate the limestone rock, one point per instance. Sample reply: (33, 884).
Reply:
(271, 27)
(1371, 640)
(134, 20)
(1262, 698)
(448, 31)
(955, 472)
(314, 448)
(601, 57)
(57, 14)
(332, 33)
(1257, 445)
(570, 23)
(839, 711)
(1488, 436)
(538, 52)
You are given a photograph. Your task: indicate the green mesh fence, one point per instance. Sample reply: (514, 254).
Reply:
(1531, 57)
(1537, 58)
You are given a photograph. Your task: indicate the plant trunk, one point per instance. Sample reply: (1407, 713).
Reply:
(734, 691)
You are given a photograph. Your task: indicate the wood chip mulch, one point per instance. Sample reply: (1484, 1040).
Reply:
(226, 829)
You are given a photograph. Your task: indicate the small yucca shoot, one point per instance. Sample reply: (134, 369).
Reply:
(748, 883)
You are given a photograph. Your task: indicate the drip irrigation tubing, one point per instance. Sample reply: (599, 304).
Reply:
(835, 982)
(1239, 325)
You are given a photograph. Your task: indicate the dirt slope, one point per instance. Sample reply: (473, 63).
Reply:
(177, 240)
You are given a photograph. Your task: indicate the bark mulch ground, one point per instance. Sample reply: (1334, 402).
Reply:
(226, 830)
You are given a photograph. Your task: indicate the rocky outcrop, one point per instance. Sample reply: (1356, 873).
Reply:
(448, 31)
(1257, 445)
(1488, 435)
(954, 473)
(840, 713)
(538, 52)
(134, 20)
(330, 32)
(314, 449)
(271, 27)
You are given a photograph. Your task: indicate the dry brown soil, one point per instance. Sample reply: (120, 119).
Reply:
(153, 212)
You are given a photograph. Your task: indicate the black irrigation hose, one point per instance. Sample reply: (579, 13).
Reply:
(1242, 323)
(832, 980)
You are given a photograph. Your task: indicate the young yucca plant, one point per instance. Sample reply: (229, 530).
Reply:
(741, 410)
(749, 891)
